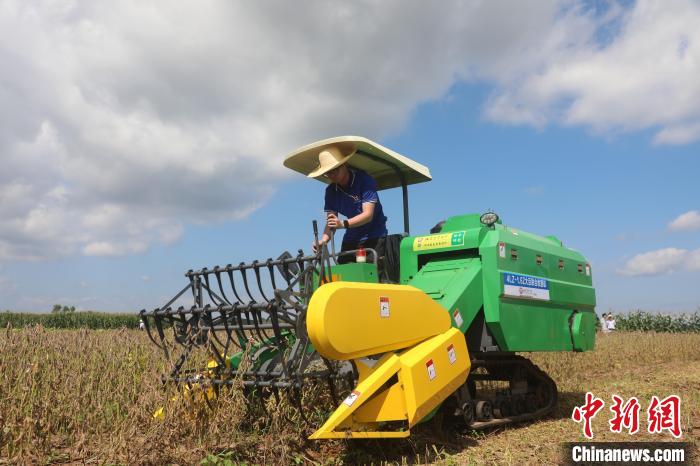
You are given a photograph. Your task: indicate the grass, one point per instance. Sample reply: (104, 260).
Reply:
(89, 395)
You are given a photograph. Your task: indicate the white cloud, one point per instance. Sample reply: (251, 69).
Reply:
(120, 123)
(662, 261)
(634, 68)
(678, 134)
(689, 221)
(693, 260)
(123, 122)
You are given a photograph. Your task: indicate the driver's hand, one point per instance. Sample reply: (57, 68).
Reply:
(315, 245)
(333, 221)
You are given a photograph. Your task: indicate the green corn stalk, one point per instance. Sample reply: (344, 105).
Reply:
(641, 321)
(71, 320)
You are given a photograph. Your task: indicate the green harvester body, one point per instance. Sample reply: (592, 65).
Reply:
(466, 267)
(468, 276)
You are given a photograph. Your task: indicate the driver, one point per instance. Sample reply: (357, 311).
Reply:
(353, 194)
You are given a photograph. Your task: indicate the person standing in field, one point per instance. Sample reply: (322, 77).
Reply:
(610, 322)
(604, 323)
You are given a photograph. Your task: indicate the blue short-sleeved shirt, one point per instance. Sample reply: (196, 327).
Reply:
(348, 201)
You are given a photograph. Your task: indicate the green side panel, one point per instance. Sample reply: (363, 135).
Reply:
(526, 324)
(352, 272)
(454, 284)
(584, 331)
(355, 272)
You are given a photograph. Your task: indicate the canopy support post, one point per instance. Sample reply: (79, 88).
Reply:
(404, 186)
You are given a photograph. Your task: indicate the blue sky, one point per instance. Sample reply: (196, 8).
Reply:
(143, 162)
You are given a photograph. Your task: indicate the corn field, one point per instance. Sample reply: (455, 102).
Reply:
(69, 320)
(640, 321)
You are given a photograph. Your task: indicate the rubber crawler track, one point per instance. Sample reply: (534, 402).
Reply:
(502, 367)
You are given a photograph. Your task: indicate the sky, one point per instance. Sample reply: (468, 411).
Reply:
(142, 139)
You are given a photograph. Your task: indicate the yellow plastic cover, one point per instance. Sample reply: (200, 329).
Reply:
(348, 320)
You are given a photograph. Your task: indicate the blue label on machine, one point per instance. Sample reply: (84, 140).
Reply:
(525, 286)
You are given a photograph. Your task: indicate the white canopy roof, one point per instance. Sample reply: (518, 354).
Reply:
(384, 165)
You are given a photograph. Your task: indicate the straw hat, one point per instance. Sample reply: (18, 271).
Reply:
(332, 157)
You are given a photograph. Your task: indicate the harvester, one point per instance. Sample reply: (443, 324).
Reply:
(434, 324)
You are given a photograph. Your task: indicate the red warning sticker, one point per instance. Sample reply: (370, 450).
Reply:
(383, 306)
(451, 354)
(351, 398)
(502, 249)
(431, 369)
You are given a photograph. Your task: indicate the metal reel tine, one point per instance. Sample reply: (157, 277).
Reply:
(161, 334)
(298, 356)
(205, 274)
(206, 398)
(217, 354)
(245, 282)
(256, 270)
(271, 270)
(281, 342)
(229, 271)
(182, 320)
(332, 389)
(242, 340)
(331, 383)
(212, 336)
(144, 319)
(257, 314)
(261, 401)
(181, 360)
(217, 274)
(224, 320)
(297, 399)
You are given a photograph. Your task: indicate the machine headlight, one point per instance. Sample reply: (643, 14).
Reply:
(489, 218)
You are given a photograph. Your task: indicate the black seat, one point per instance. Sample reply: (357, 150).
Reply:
(391, 258)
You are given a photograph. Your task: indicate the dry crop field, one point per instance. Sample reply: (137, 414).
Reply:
(88, 397)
